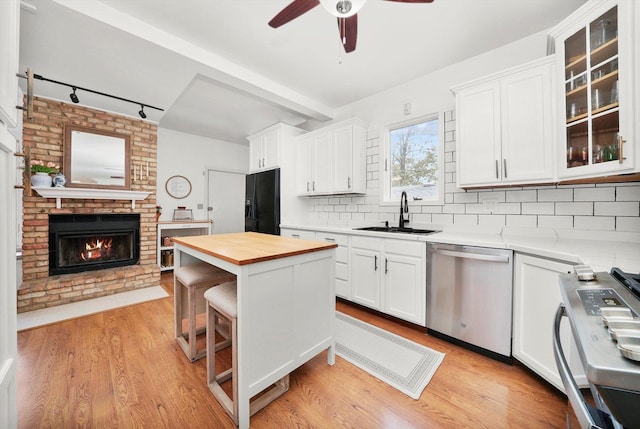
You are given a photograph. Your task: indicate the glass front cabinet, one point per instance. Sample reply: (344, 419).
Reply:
(594, 49)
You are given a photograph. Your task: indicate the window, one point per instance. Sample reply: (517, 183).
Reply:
(413, 161)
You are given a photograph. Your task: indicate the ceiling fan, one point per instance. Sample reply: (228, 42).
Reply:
(345, 10)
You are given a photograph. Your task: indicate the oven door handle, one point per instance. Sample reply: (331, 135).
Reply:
(579, 405)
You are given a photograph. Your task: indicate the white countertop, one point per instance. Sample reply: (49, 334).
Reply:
(599, 249)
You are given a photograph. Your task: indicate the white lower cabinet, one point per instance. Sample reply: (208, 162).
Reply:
(389, 275)
(342, 261)
(342, 254)
(536, 297)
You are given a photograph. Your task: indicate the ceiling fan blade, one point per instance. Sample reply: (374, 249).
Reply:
(292, 11)
(412, 1)
(348, 32)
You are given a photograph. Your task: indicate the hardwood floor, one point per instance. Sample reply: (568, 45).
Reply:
(123, 369)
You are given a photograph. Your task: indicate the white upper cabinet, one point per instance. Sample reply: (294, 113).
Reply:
(595, 53)
(332, 160)
(505, 127)
(265, 146)
(9, 37)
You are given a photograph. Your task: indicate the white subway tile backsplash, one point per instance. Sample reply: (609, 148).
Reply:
(620, 208)
(509, 208)
(522, 221)
(455, 208)
(559, 222)
(555, 194)
(595, 194)
(465, 197)
(500, 196)
(585, 209)
(631, 224)
(538, 208)
(492, 221)
(600, 223)
(628, 193)
(521, 196)
(464, 219)
(442, 219)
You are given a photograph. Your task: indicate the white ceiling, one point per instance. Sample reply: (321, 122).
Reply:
(220, 71)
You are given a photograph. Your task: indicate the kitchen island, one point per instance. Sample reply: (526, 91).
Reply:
(286, 302)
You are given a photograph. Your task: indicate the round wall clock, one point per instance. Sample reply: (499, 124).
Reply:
(178, 187)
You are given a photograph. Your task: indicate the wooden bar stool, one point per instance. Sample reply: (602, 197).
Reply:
(195, 278)
(222, 305)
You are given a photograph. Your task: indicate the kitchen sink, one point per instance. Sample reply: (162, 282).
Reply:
(397, 230)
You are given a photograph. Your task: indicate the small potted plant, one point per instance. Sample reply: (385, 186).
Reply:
(40, 173)
(158, 212)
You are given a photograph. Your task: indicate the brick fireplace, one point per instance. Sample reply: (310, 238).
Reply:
(44, 136)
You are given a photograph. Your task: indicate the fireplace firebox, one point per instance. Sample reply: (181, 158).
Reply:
(84, 242)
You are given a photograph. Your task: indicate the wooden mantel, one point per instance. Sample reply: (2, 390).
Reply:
(91, 194)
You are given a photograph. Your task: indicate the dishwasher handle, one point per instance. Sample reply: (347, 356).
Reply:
(471, 255)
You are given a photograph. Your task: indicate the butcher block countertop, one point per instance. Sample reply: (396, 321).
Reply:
(250, 247)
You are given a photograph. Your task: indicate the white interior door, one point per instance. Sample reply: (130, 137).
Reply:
(225, 201)
(8, 334)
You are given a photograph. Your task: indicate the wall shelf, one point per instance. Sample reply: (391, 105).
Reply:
(91, 194)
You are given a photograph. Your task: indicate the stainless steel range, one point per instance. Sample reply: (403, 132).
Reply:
(603, 310)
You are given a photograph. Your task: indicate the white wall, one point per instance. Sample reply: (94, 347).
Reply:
(190, 156)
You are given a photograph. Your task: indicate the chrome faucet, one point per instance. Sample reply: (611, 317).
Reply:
(403, 209)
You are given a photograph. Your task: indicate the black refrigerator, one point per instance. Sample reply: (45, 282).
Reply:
(262, 202)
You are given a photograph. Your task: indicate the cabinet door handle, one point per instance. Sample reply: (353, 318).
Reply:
(349, 182)
(386, 265)
(307, 186)
(497, 169)
(375, 263)
(504, 162)
(620, 157)
(313, 187)
(259, 163)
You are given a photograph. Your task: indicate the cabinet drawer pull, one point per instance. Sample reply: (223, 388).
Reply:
(295, 235)
(330, 239)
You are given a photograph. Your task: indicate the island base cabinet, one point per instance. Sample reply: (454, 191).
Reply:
(536, 298)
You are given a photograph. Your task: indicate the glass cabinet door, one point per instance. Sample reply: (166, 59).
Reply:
(591, 93)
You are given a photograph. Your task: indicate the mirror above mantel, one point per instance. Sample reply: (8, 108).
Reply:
(95, 158)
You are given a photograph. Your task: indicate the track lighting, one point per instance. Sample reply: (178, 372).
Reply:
(73, 96)
(30, 76)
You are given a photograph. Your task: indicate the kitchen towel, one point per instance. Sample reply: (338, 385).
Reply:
(403, 364)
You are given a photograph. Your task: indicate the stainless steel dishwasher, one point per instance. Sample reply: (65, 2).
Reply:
(469, 297)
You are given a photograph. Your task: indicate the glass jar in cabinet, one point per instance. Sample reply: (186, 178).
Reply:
(593, 50)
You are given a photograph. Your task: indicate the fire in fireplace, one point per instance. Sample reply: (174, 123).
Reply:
(80, 243)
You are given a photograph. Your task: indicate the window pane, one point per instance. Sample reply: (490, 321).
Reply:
(414, 160)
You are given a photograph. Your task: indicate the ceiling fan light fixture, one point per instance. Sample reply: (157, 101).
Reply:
(342, 8)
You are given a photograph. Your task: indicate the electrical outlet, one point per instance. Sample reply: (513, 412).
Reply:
(200, 206)
(490, 206)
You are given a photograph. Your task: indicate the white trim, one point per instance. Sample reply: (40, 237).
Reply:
(91, 194)
(384, 161)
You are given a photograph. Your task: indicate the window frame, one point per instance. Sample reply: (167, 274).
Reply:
(385, 165)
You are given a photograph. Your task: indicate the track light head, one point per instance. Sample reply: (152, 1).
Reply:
(141, 112)
(73, 96)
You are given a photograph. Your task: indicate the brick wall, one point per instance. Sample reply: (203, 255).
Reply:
(44, 136)
(601, 207)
